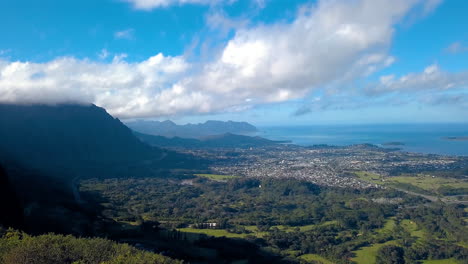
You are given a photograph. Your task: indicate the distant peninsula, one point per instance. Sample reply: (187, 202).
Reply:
(209, 128)
(395, 143)
(456, 138)
(227, 140)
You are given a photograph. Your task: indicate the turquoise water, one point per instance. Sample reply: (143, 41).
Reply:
(422, 138)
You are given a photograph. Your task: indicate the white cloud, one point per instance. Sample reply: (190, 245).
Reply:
(431, 86)
(125, 34)
(125, 89)
(432, 78)
(329, 43)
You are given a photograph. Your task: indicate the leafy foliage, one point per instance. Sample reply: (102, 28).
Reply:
(390, 254)
(19, 248)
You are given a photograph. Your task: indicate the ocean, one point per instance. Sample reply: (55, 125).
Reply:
(421, 138)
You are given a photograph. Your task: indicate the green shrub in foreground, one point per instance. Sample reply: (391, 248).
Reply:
(19, 248)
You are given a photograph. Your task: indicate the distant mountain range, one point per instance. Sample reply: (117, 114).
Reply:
(209, 128)
(226, 140)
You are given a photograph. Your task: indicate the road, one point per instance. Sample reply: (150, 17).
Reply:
(432, 198)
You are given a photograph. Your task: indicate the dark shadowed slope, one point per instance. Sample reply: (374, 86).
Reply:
(11, 213)
(209, 128)
(45, 149)
(67, 138)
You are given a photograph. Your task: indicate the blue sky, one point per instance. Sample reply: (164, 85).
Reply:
(263, 61)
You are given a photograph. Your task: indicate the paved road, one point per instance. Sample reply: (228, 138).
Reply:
(432, 198)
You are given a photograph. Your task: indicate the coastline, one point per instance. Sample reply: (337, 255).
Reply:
(427, 139)
(455, 138)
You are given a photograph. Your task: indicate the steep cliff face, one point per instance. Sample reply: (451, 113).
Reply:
(46, 150)
(66, 139)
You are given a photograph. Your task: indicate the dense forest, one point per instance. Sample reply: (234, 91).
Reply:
(288, 218)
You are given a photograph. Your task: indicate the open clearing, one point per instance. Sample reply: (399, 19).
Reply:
(422, 182)
(217, 177)
(315, 257)
(429, 183)
(441, 261)
(367, 255)
(212, 232)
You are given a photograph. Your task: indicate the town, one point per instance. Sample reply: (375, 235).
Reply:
(324, 165)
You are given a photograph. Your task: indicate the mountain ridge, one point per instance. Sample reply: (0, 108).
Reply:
(170, 129)
(45, 148)
(226, 140)
(68, 135)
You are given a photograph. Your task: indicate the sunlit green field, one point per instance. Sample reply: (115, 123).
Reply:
(412, 228)
(441, 261)
(428, 182)
(212, 232)
(388, 227)
(303, 228)
(315, 257)
(369, 177)
(253, 229)
(217, 177)
(422, 182)
(367, 255)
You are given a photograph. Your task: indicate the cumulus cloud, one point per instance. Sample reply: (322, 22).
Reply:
(431, 78)
(125, 89)
(431, 86)
(329, 43)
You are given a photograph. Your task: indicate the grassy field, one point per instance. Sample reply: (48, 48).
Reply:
(312, 257)
(412, 228)
(425, 183)
(217, 177)
(429, 183)
(369, 177)
(367, 255)
(441, 261)
(285, 228)
(388, 227)
(212, 232)
(253, 229)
